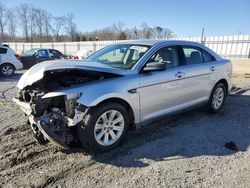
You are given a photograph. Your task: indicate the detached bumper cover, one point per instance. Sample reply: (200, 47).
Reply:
(56, 135)
(53, 125)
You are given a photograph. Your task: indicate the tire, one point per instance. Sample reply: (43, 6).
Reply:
(218, 94)
(100, 135)
(7, 69)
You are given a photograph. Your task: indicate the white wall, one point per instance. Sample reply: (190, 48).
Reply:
(227, 46)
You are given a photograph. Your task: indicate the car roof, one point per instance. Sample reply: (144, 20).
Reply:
(40, 49)
(174, 43)
(154, 42)
(4, 46)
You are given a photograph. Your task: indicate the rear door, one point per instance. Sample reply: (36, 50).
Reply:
(199, 72)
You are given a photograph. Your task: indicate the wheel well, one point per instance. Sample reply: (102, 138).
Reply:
(223, 81)
(8, 64)
(123, 103)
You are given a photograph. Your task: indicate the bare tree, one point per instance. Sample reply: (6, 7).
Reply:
(158, 30)
(38, 25)
(146, 31)
(168, 33)
(70, 26)
(11, 24)
(23, 12)
(39, 22)
(33, 23)
(2, 20)
(57, 26)
(47, 17)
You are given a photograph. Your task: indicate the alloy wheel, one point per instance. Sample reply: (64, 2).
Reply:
(109, 127)
(218, 98)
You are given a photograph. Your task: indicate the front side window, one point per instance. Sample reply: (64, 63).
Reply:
(31, 52)
(43, 53)
(123, 56)
(167, 55)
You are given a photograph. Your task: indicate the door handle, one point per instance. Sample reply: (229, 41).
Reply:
(212, 68)
(179, 74)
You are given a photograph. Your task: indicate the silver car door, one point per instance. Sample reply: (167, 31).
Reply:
(162, 91)
(198, 73)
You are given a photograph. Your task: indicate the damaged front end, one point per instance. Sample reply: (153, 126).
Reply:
(55, 117)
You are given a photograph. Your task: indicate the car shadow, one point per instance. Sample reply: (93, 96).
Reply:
(192, 134)
(13, 78)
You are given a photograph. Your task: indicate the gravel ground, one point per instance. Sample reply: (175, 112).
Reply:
(186, 150)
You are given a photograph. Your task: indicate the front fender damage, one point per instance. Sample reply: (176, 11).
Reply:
(52, 103)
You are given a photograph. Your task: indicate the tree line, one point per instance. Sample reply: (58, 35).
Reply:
(26, 23)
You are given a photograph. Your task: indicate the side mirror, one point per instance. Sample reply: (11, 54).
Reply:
(155, 66)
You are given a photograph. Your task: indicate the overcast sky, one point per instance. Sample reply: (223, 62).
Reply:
(184, 17)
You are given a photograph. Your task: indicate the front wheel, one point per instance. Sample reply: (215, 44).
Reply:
(217, 98)
(104, 127)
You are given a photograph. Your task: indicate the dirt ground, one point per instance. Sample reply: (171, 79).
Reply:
(186, 150)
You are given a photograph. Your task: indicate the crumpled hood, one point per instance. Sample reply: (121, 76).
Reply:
(36, 72)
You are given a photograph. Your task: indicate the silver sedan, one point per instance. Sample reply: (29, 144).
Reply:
(94, 102)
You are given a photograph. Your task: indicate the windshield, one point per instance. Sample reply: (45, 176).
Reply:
(30, 52)
(123, 56)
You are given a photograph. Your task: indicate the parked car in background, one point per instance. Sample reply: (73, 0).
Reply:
(95, 101)
(69, 56)
(9, 61)
(83, 53)
(37, 55)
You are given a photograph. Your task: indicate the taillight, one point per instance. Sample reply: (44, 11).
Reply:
(17, 56)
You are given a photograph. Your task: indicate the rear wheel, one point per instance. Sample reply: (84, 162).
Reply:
(7, 69)
(104, 127)
(217, 98)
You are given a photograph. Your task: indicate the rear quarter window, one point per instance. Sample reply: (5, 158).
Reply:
(3, 50)
(207, 57)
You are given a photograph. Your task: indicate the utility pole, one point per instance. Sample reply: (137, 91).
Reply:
(202, 36)
(249, 50)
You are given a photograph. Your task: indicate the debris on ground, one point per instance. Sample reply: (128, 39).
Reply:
(232, 146)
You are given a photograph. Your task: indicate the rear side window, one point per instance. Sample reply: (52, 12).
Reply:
(3, 50)
(195, 55)
(55, 53)
(192, 55)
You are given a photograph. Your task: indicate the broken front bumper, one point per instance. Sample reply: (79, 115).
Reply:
(54, 126)
(25, 107)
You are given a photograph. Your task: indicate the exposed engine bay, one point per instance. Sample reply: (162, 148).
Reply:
(55, 118)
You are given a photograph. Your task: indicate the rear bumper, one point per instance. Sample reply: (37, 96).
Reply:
(18, 65)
